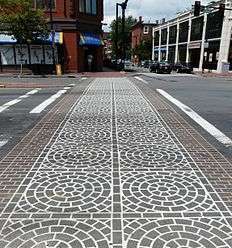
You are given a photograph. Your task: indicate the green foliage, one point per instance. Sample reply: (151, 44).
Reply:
(18, 18)
(144, 50)
(129, 22)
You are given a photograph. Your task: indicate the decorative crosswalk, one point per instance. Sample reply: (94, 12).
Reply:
(115, 176)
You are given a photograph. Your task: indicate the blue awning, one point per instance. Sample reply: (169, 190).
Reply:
(90, 39)
(6, 39)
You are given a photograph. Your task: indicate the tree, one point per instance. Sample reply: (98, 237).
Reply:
(143, 50)
(129, 22)
(18, 18)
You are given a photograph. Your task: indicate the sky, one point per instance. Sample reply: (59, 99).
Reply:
(151, 10)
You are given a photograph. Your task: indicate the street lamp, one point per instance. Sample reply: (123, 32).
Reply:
(123, 6)
(52, 32)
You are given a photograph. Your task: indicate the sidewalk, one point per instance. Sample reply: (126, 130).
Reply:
(122, 169)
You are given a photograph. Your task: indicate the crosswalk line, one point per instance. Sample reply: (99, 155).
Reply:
(211, 129)
(50, 100)
(19, 99)
(3, 142)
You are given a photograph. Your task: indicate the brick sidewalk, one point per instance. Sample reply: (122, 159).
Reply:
(123, 170)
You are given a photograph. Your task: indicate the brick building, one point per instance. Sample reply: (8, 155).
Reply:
(78, 36)
(141, 31)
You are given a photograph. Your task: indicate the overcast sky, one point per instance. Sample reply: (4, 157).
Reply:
(150, 9)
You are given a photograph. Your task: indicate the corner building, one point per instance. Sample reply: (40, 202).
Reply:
(78, 33)
(204, 41)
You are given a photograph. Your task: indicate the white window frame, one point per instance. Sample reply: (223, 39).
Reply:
(146, 30)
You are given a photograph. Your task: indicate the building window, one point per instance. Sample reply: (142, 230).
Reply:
(156, 38)
(164, 35)
(44, 4)
(172, 34)
(146, 30)
(88, 6)
(197, 28)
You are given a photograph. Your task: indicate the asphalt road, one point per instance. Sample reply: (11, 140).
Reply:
(211, 98)
(16, 120)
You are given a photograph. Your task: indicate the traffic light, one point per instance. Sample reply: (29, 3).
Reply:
(197, 8)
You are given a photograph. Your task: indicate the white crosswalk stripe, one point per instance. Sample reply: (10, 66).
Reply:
(19, 99)
(3, 142)
(50, 100)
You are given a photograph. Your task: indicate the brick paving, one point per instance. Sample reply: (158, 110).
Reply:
(123, 171)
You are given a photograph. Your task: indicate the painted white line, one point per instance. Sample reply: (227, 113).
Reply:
(211, 129)
(46, 103)
(2, 143)
(141, 79)
(19, 99)
(67, 88)
(84, 78)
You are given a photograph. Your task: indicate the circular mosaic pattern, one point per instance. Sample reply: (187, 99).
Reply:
(164, 191)
(153, 156)
(54, 234)
(67, 192)
(72, 156)
(180, 233)
(92, 135)
(143, 135)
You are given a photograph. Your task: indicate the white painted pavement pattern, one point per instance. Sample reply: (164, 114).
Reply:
(50, 100)
(19, 99)
(3, 142)
(141, 80)
(211, 129)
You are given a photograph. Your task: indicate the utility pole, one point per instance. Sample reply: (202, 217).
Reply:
(123, 6)
(52, 33)
(116, 32)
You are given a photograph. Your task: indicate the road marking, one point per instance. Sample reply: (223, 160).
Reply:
(19, 99)
(84, 78)
(211, 129)
(3, 142)
(141, 79)
(46, 103)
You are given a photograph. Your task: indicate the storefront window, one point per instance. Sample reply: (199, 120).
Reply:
(183, 34)
(88, 6)
(197, 28)
(164, 34)
(156, 38)
(214, 25)
(172, 34)
(44, 4)
(171, 54)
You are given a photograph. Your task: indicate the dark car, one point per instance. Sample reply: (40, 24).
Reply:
(183, 68)
(154, 66)
(161, 67)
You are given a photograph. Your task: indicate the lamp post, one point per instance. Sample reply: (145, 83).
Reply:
(52, 32)
(123, 6)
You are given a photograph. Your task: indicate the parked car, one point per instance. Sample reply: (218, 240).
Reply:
(154, 66)
(161, 67)
(182, 68)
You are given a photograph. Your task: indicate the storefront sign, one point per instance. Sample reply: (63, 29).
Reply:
(195, 45)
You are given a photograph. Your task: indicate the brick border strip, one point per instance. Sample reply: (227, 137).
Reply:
(212, 163)
(18, 162)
